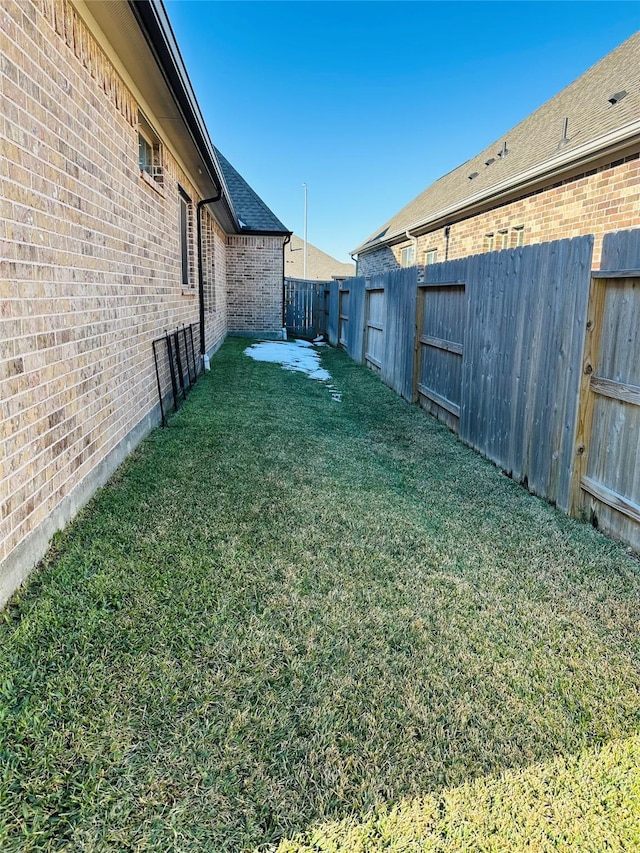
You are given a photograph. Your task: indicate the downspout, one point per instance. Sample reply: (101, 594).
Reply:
(415, 247)
(355, 261)
(199, 207)
(447, 232)
(284, 307)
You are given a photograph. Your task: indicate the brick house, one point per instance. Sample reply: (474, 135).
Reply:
(570, 168)
(119, 220)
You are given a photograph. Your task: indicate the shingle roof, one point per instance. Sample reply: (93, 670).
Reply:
(320, 265)
(253, 214)
(535, 143)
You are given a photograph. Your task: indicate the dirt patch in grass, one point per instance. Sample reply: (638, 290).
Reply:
(285, 613)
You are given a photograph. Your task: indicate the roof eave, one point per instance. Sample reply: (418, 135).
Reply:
(247, 232)
(589, 151)
(154, 22)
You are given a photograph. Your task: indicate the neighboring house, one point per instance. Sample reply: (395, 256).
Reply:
(106, 169)
(320, 266)
(571, 168)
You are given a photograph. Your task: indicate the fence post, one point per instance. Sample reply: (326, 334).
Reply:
(416, 340)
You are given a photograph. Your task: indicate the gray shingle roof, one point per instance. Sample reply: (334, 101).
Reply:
(535, 143)
(253, 214)
(320, 265)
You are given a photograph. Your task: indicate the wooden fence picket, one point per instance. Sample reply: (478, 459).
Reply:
(534, 366)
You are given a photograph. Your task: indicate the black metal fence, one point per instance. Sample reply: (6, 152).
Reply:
(177, 367)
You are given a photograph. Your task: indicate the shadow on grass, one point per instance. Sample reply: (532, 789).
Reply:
(285, 610)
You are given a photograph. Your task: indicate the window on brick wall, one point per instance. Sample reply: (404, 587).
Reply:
(186, 232)
(519, 235)
(149, 150)
(406, 256)
(489, 242)
(503, 237)
(430, 256)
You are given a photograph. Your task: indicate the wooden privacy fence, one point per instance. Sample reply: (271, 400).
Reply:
(495, 346)
(441, 320)
(374, 327)
(306, 306)
(607, 480)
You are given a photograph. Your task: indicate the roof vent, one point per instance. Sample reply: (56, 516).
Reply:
(613, 100)
(504, 151)
(490, 161)
(564, 139)
(473, 175)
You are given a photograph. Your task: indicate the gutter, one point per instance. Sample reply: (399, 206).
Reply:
(608, 143)
(254, 232)
(415, 246)
(284, 308)
(154, 23)
(199, 206)
(156, 27)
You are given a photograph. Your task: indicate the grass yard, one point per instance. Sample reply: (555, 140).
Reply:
(299, 625)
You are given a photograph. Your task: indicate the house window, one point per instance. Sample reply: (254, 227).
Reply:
(430, 256)
(406, 256)
(185, 236)
(503, 236)
(145, 154)
(490, 242)
(149, 150)
(519, 234)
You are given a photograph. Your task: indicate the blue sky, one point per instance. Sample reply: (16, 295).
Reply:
(369, 102)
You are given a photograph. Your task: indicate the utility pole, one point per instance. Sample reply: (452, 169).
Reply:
(304, 262)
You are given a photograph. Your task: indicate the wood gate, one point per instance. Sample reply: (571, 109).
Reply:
(302, 301)
(441, 318)
(343, 316)
(607, 475)
(374, 332)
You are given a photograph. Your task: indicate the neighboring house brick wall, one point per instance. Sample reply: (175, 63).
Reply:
(380, 260)
(608, 200)
(254, 295)
(92, 269)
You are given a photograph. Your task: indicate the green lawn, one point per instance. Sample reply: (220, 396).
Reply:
(295, 624)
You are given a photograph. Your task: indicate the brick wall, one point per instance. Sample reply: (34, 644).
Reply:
(254, 277)
(214, 264)
(91, 268)
(606, 200)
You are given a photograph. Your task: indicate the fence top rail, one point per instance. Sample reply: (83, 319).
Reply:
(319, 282)
(376, 286)
(166, 333)
(441, 284)
(615, 273)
